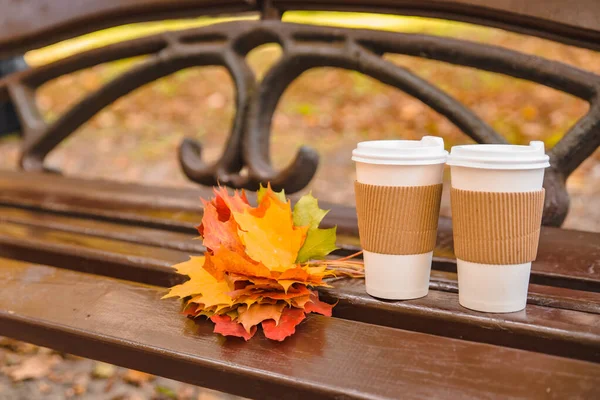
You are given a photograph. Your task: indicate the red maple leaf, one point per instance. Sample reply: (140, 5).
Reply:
(226, 327)
(290, 318)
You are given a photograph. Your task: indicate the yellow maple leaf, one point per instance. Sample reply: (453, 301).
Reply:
(202, 285)
(257, 313)
(269, 235)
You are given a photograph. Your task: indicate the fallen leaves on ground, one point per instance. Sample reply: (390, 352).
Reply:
(37, 366)
(137, 378)
(103, 370)
(261, 266)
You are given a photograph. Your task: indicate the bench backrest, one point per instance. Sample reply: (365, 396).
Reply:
(32, 24)
(27, 25)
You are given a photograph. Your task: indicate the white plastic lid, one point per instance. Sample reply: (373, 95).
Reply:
(499, 156)
(428, 150)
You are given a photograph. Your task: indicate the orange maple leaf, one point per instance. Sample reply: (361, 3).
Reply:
(226, 203)
(294, 274)
(223, 204)
(202, 285)
(217, 233)
(300, 302)
(271, 239)
(257, 313)
(225, 260)
(317, 306)
(249, 292)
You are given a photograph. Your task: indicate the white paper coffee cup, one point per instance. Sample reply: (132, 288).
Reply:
(399, 163)
(496, 168)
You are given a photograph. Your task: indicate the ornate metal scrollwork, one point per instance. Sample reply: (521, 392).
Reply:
(245, 161)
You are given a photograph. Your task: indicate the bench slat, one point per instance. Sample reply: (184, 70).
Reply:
(566, 258)
(322, 360)
(28, 25)
(574, 23)
(103, 229)
(29, 236)
(553, 327)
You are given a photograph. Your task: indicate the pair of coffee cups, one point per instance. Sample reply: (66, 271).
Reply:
(497, 203)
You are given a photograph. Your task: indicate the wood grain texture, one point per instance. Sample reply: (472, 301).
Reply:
(565, 258)
(539, 328)
(104, 229)
(552, 322)
(28, 25)
(125, 323)
(538, 294)
(35, 236)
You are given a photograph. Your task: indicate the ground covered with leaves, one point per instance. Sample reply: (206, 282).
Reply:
(29, 372)
(136, 138)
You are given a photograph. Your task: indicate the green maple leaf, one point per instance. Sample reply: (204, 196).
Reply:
(319, 242)
(260, 193)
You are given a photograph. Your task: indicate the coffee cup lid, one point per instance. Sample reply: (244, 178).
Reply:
(499, 156)
(428, 150)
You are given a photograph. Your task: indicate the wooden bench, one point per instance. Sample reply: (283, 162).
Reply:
(83, 263)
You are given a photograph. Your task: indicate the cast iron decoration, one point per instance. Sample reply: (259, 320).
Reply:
(245, 161)
(261, 265)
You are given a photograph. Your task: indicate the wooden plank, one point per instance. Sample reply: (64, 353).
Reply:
(519, 16)
(566, 258)
(125, 323)
(549, 296)
(556, 327)
(39, 237)
(90, 254)
(538, 328)
(28, 25)
(104, 199)
(103, 229)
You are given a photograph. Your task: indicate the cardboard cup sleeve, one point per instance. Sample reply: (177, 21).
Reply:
(496, 228)
(397, 220)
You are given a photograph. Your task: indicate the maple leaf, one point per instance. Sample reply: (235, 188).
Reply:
(317, 273)
(300, 302)
(216, 233)
(257, 313)
(249, 296)
(319, 242)
(277, 295)
(290, 318)
(317, 306)
(190, 310)
(294, 274)
(307, 212)
(226, 327)
(272, 239)
(250, 274)
(223, 204)
(237, 202)
(225, 260)
(205, 288)
(237, 281)
(267, 191)
(286, 284)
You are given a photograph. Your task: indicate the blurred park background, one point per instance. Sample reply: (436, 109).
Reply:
(136, 139)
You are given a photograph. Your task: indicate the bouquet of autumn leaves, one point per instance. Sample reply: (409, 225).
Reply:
(259, 267)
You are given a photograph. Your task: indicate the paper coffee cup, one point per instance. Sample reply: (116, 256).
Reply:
(398, 194)
(497, 202)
